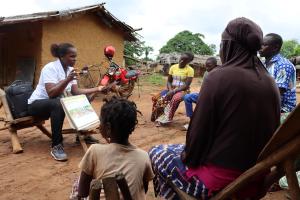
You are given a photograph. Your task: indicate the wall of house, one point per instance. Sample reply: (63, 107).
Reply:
(88, 34)
(19, 42)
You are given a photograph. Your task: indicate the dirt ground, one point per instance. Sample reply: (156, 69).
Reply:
(35, 175)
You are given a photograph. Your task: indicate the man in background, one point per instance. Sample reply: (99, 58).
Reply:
(281, 69)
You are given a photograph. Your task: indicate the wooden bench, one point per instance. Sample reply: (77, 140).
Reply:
(111, 186)
(278, 157)
(13, 125)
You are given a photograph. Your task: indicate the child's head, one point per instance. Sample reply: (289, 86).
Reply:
(118, 119)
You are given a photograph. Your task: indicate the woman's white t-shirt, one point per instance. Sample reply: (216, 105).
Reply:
(53, 72)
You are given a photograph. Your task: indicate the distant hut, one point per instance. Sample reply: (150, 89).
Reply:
(172, 58)
(296, 62)
(25, 40)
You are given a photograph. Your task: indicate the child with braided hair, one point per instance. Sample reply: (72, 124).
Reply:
(118, 120)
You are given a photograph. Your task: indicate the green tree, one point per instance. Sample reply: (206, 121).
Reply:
(133, 50)
(187, 41)
(213, 47)
(147, 50)
(290, 48)
(297, 51)
(136, 50)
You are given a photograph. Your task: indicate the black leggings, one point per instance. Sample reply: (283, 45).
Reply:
(52, 108)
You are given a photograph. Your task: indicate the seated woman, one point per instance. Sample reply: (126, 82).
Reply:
(56, 78)
(236, 114)
(179, 81)
(118, 119)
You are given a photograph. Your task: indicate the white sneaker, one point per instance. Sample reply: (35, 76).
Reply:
(186, 127)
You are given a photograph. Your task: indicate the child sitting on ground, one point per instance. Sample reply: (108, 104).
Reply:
(118, 119)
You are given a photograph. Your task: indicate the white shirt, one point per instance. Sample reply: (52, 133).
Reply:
(53, 72)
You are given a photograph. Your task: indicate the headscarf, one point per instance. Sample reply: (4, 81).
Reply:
(239, 106)
(241, 40)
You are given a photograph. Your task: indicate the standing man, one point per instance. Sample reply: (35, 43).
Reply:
(191, 98)
(281, 69)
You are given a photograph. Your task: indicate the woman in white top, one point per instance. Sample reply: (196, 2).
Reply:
(56, 78)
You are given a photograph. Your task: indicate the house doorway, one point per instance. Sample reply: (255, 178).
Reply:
(25, 69)
(3, 60)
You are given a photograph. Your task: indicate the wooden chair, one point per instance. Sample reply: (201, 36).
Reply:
(111, 186)
(278, 158)
(13, 125)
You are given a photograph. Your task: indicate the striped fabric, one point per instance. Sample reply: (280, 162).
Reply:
(166, 162)
(171, 108)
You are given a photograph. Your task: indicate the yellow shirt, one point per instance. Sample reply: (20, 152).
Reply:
(180, 74)
(105, 160)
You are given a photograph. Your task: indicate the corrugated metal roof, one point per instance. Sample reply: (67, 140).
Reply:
(98, 9)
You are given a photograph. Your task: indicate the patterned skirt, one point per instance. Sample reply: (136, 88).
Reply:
(159, 104)
(170, 108)
(167, 165)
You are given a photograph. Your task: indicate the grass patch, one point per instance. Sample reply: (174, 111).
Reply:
(155, 79)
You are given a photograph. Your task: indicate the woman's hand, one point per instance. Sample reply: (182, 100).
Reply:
(72, 75)
(111, 86)
(100, 88)
(105, 89)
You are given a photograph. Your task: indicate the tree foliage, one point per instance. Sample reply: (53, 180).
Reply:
(213, 47)
(136, 50)
(186, 41)
(290, 48)
(147, 50)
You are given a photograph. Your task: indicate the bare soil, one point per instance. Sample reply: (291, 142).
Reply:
(35, 175)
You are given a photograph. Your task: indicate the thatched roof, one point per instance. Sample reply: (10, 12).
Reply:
(171, 58)
(98, 9)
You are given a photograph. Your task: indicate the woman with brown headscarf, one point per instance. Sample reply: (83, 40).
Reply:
(236, 114)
